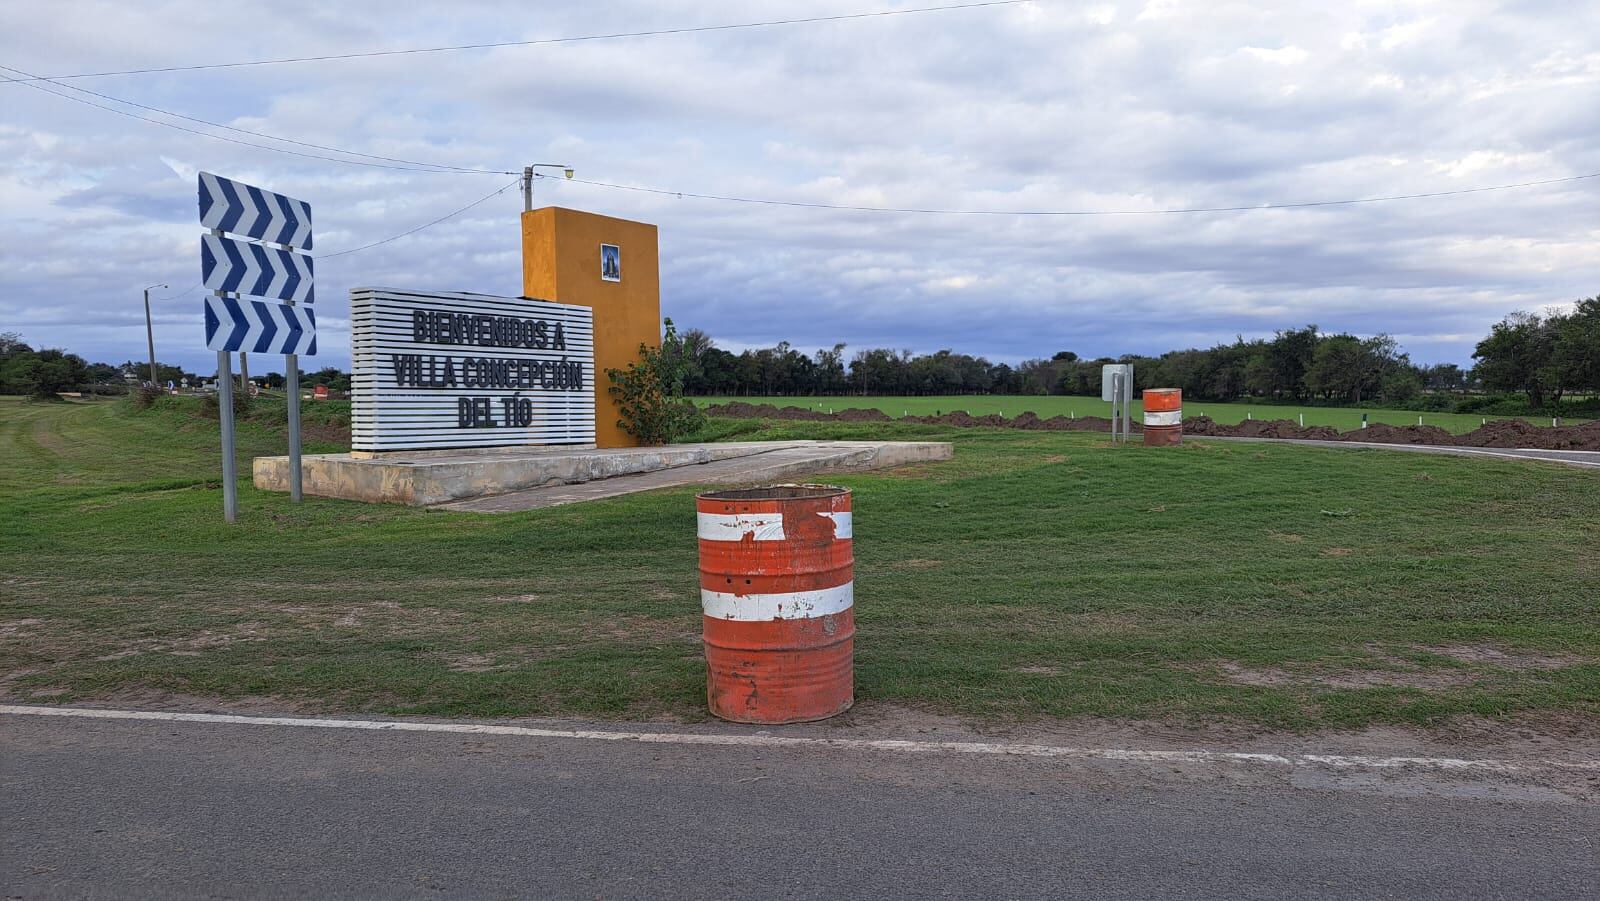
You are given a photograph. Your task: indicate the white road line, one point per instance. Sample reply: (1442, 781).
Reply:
(1442, 450)
(852, 744)
(1480, 452)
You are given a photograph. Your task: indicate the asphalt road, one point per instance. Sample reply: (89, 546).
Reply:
(1588, 459)
(106, 809)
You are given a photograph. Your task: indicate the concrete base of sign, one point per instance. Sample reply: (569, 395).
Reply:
(502, 479)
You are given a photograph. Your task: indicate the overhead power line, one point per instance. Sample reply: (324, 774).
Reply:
(413, 231)
(659, 32)
(1000, 212)
(410, 231)
(203, 134)
(388, 162)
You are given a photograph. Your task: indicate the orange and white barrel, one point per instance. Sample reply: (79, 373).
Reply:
(1163, 416)
(777, 594)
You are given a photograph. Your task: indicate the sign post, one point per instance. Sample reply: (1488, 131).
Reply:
(234, 269)
(291, 382)
(230, 473)
(1116, 387)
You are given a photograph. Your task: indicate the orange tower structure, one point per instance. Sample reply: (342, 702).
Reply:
(610, 265)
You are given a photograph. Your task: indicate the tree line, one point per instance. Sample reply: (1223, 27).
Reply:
(46, 372)
(1544, 358)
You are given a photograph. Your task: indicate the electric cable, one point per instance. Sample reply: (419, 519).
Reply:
(660, 32)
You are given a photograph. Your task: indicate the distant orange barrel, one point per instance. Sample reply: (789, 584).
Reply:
(777, 592)
(1163, 416)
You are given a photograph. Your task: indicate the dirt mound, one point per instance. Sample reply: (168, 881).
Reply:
(1382, 433)
(1521, 433)
(741, 410)
(857, 415)
(1205, 426)
(963, 420)
(1500, 433)
(1028, 421)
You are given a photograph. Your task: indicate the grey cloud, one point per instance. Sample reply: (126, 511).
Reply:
(1030, 108)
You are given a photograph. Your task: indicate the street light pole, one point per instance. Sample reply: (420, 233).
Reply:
(150, 334)
(527, 181)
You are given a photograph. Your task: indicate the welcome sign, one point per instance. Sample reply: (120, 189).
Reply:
(437, 371)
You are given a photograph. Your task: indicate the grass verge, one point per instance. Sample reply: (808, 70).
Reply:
(1036, 574)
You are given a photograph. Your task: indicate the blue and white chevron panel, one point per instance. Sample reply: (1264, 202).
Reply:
(241, 209)
(244, 267)
(259, 327)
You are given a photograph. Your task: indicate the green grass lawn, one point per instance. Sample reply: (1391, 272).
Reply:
(1342, 418)
(1035, 575)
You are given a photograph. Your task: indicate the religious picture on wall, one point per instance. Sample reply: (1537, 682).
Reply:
(610, 262)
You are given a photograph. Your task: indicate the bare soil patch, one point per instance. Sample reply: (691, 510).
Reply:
(1503, 658)
(1276, 677)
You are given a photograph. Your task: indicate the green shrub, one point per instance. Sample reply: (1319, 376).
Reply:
(649, 393)
(146, 396)
(211, 404)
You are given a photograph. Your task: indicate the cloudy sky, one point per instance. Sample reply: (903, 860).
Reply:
(1044, 106)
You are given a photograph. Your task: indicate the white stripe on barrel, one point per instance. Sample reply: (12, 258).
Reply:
(1158, 420)
(784, 605)
(760, 526)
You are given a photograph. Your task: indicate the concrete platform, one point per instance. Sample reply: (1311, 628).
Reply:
(503, 480)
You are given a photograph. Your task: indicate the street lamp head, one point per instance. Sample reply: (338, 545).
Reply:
(568, 171)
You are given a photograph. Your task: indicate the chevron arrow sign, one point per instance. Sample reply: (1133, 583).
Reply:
(244, 267)
(241, 209)
(259, 327)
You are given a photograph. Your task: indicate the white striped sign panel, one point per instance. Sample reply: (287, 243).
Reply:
(260, 327)
(436, 370)
(241, 209)
(245, 267)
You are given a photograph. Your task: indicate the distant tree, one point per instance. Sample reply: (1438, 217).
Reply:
(11, 343)
(1514, 355)
(42, 373)
(331, 376)
(829, 371)
(1575, 349)
(1288, 358)
(1444, 377)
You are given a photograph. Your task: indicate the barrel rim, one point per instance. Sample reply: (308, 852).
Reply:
(775, 493)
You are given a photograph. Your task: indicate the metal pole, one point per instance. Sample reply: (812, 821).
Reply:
(527, 189)
(244, 373)
(1116, 400)
(1127, 405)
(150, 336)
(291, 363)
(230, 477)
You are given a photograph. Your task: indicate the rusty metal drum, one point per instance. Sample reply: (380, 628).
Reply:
(1163, 416)
(777, 596)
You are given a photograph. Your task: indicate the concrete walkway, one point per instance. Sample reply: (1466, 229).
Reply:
(774, 463)
(522, 478)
